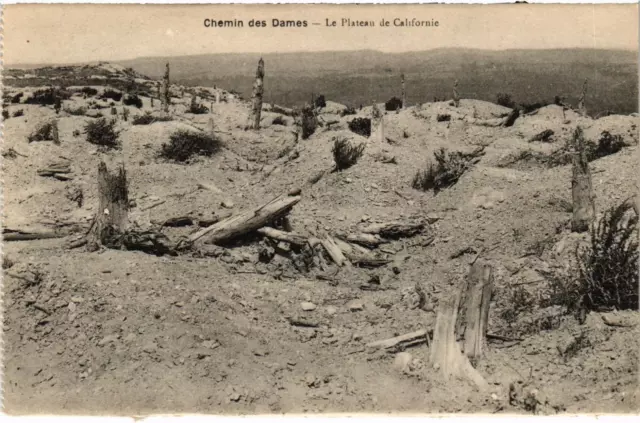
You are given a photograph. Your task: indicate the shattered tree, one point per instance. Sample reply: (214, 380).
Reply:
(377, 124)
(456, 94)
(164, 95)
(113, 207)
(471, 321)
(582, 108)
(404, 92)
(581, 188)
(256, 97)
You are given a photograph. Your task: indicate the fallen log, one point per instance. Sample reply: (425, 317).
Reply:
(209, 187)
(290, 237)
(394, 229)
(334, 251)
(370, 262)
(368, 240)
(392, 342)
(9, 235)
(246, 221)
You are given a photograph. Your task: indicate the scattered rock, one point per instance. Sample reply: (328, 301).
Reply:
(307, 306)
(355, 305)
(331, 310)
(402, 361)
(227, 204)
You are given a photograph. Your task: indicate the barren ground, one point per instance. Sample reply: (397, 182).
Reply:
(128, 333)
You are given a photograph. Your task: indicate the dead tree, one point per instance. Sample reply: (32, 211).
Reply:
(456, 94)
(256, 97)
(582, 108)
(165, 96)
(404, 92)
(112, 216)
(377, 124)
(194, 102)
(581, 188)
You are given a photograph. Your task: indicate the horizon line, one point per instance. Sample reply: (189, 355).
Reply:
(44, 64)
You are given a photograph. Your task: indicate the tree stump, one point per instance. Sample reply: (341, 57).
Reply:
(165, 96)
(445, 351)
(476, 309)
(582, 108)
(377, 124)
(581, 189)
(256, 97)
(456, 94)
(112, 216)
(446, 354)
(404, 92)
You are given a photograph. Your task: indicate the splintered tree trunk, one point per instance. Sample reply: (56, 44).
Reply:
(217, 97)
(113, 208)
(445, 351)
(582, 108)
(194, 102)
(165, 96)
(256, 97)
(583, 204)
(377, 124)
(476, 311)
(456, 94)
(404, 92)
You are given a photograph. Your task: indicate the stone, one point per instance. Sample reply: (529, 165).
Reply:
(331, 310)
(308, 306)
(402, 361)
(355, 305)
(227, 204)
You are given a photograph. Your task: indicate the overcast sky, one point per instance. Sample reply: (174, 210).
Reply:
(70, 33)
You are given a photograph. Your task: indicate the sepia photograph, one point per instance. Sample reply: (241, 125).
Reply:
(314, 209)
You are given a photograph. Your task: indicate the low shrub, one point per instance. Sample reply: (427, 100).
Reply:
(17, 98)
(185, 144)
(148, 119)
(607, 144)
(446, 171)
(47, 97)
(348, 111)
(443, 118)
(111, 94)
(77, 111)
(198, 109)
(102, 132)
(393, 104)
(89, 92)
(308, 122)
(345, 154)
(608, 268)
(320, 102)
(504, 99)
(606, 277)
(18, 113)
(279, 120)
(5, 114)
(132, 100)
(531, 107)
(47, 131)
(361, 126)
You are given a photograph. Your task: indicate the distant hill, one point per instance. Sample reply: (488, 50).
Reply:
(360, 77)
